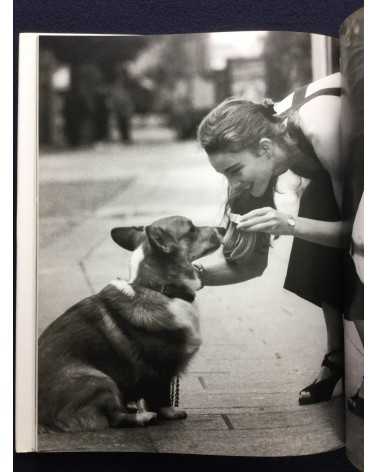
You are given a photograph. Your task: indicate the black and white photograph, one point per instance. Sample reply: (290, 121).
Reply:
(193, 231)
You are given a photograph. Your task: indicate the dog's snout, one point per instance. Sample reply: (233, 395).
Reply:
(221, 230)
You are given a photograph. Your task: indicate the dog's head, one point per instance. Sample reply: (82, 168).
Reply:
(164, 252)
(175, 237)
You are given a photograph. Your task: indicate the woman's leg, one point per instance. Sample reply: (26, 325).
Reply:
(335, 338)
(333, 364)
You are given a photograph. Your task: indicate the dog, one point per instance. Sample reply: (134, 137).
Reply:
(130, 340)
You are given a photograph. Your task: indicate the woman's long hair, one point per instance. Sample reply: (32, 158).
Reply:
(237, 124)
(234, 125)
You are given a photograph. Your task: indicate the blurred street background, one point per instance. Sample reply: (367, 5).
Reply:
(97, 89)
(118, 117)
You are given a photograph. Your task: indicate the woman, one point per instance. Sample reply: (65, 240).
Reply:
(252, 144)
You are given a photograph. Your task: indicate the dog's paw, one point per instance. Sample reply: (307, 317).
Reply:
(172, 413)
(144, 418)
(124, 287)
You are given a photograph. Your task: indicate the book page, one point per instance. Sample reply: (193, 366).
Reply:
(352, 139)
(150, 287)
(26, 310)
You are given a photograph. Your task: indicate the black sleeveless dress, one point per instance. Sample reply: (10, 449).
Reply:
(316, 272)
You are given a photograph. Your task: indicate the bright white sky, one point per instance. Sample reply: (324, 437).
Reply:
(234, 44)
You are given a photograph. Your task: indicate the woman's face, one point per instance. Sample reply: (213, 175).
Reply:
(244, 169)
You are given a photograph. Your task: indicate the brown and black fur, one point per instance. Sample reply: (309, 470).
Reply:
(128, 341)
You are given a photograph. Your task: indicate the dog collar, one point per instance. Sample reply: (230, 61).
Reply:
(178, 291)
(173, 291)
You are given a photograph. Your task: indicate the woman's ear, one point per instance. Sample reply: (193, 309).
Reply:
(265, 147)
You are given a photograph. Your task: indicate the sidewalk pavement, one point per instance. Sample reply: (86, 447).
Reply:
(261, 344)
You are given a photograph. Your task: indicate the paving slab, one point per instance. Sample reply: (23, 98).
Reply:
(282, 442)
(319, 415)
(110, 440)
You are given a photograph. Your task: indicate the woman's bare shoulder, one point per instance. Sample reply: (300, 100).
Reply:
(330, 81)
(319, 119)
(321, 115)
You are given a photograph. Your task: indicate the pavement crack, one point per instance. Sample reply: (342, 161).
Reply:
(93, 248)
(86, 277)
(202, 382)
(228, 423)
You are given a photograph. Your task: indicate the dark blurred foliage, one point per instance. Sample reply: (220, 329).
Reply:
(111, 78)
(288, 62)
(99, 85)
(104, 53)
(171, 64)
(179, 57)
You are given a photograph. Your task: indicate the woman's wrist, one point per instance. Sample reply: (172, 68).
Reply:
(292, 224)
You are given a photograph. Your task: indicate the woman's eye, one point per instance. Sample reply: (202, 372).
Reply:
(235, 172)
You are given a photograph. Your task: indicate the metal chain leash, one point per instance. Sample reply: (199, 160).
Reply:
(175, 392)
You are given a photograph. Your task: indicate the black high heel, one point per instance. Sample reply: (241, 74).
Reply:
(322, 390)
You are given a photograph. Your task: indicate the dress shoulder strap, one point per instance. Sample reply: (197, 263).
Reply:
(299, 98)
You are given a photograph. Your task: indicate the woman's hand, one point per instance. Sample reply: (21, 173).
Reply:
(267, 220)
(270, 220)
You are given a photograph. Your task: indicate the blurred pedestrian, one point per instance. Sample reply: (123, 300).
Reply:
(101, 114)
(122, 107)
(81, 111)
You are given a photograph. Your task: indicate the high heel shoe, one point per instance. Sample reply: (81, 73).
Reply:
(323, 390)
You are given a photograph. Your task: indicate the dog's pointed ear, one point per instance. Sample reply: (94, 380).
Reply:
(128, 237)
(160, 239)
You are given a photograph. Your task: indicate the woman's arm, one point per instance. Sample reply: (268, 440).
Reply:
(320, 122)
(327, 233)
(221, 272)
(270, 220)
